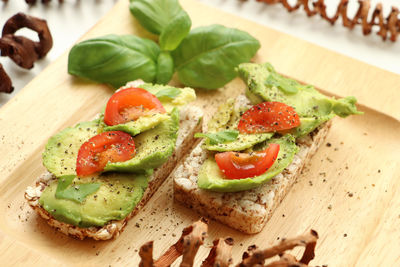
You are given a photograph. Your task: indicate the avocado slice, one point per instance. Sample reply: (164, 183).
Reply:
(243, 142)
(211, 178)
(169, 96)
(135, 127)
(61, 151)
(227, 117)
(265, 84)
(153, 147)
(117, 196)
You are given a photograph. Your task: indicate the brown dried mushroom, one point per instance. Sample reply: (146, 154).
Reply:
(23, 51)
(256, 256)
(20, 49)
(390, 25)
(5, 81)
(221, 253)
(21, 20)
(188, 244)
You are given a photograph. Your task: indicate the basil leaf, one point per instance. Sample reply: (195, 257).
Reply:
(207, 57)
(162, 17)
(114, 59)
(154, 15)
(63, 182)
(77, 192)
(287, 85)
(170, 92)
(219, 137)
(175, 32)
(165, 68)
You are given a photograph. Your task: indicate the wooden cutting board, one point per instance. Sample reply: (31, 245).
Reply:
(347, 193)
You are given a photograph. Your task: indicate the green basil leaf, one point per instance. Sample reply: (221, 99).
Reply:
(165, 18)
(170, 92)
(155, 15)
(63, 182)
(175, 32)
(207, 57)
(77, 192)
(287, 85)
(114, 59)
(219, 137)
(165, 68)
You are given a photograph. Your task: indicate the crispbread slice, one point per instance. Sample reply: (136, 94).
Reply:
(190, 118)
(247, 211)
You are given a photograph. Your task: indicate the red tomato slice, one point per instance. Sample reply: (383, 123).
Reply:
(129, 104)
(113, 146)
(244, 165)
(268, 117)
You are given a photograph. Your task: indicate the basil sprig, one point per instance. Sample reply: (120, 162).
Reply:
(205, 57)
(75, 192)
(219, 137)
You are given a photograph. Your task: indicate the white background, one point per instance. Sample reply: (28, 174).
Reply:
(70, 20)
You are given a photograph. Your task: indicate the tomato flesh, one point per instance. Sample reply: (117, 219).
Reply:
(268, 117)
(236, 165)
(129, 104)
(94, 154)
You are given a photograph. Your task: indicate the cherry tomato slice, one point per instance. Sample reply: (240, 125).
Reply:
(268, 117)
(129, 104)
(94, 154)
(244, 165)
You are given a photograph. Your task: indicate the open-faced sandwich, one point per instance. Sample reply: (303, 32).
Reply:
(255, 148)
(101, 172)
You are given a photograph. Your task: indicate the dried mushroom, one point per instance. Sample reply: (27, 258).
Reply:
(188, 244)
(21, 20)
(20, 49)
(256, 256)
(5, 81)
(389, 25)
(23, 51)
(220, 254)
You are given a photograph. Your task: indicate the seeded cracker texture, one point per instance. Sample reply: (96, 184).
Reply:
(247, 211)
(190, 123)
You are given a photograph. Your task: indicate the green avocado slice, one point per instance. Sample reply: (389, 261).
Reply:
(153, 147)
(221, 119)
(227, 117)
(169, 96)
(265, 84)
(211, 178)
(61, 151)
(307, 125)
(243, 141)
(135, 127)
(116, 197)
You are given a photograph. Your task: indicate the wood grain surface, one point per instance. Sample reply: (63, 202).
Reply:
(347, 193)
